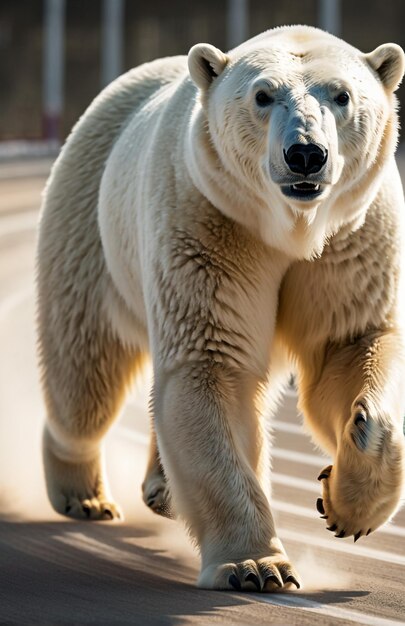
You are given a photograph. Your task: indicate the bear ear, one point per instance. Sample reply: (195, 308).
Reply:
(388, 61)
(205, 63)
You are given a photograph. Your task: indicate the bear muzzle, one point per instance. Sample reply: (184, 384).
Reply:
(305, 160)
(303, 172)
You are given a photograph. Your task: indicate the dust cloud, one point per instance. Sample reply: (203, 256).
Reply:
(23, 494)
(22, 488)
(318, 576)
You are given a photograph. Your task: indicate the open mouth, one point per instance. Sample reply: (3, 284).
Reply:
(302, 191)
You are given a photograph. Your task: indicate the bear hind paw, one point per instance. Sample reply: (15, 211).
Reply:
(156, 495)
(91, 508)
(77, 489)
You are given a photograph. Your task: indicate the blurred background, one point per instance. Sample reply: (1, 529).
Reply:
(56, 55)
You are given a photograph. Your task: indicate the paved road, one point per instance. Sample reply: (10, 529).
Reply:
(142, 571)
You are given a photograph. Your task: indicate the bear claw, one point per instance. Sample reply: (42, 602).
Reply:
(320, 507)
(107, 514)
(292, 579)
(254, 579)
(325, 472)
(272, 578)
(234, 582)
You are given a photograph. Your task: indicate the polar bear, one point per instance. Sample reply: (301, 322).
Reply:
(228, 214)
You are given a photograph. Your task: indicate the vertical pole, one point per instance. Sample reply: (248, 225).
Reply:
(112, 40)
(53, 68)
(330, 18)
(237, 22)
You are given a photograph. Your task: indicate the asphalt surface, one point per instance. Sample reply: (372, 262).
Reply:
(143, 571)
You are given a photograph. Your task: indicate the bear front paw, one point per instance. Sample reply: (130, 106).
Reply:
(267, 574)
(362, 490)
(352, 523)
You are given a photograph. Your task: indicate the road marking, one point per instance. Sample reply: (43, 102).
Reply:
(296, 601)
(287, 427)
(300, 457)
(319, 542)
(294, 481)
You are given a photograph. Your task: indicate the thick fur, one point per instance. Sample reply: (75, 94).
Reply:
(169, 228)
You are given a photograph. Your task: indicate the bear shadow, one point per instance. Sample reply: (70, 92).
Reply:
(80, 573)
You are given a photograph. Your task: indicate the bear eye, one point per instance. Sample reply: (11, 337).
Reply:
(263, 99)
(342, 99)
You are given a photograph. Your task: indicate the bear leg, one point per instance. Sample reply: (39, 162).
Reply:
(211, 444)
(83, 391)
(355, 405)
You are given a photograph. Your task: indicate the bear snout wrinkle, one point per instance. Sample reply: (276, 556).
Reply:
(306, 159)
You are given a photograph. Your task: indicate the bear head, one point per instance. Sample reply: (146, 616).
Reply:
(291, 132)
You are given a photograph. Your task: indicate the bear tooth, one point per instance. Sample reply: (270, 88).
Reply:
(297, 187)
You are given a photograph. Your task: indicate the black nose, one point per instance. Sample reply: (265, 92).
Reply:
(306, 159)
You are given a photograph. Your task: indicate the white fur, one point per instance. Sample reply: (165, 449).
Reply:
(167, 229)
